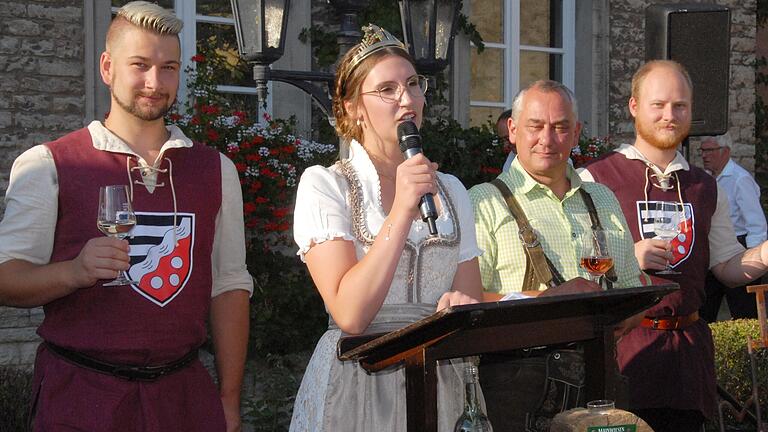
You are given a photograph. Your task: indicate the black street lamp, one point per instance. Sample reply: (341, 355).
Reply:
(260, 28)
(429, 27)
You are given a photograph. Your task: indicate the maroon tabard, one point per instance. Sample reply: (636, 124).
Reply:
(668, 368)
(155, 321)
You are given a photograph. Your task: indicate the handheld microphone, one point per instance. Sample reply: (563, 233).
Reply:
(410, 145)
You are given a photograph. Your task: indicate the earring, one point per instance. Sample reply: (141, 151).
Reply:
(359, 123)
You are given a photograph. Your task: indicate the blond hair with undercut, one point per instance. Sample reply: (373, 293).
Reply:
(147, 16)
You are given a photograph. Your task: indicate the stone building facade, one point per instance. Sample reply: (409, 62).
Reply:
(49, 84)
(42, 96)
(627, 53)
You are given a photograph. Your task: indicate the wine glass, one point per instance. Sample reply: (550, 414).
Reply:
(666, 225)
(116, 219)
(595, 258)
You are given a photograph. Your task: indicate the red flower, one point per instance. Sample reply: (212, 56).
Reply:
(212, 135)
(253, 157)
(261, 200)
(255, 186)
(490, 170)
(258, 139)
(280, 212)
(241, 167)
(174, 117)
(241, 116)
(249, 207)
(210, 109)
(198, 58)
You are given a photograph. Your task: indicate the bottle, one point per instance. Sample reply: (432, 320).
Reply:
(473, 419)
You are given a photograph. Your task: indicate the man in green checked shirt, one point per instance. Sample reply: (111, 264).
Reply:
(545, 126)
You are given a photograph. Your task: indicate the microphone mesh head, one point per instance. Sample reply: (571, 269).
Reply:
(408, 135)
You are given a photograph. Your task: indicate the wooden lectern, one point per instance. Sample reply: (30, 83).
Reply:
(469, 330)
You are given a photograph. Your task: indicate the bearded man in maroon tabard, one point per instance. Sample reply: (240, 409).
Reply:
(669, 358)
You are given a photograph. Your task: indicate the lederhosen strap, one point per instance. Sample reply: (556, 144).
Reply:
(610, 275)
(538, 268)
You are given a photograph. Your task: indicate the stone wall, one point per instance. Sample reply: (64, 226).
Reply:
(627, 53)
(41, 97)
(41, 75)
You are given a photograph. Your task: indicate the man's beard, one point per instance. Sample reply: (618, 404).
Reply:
(660, 140)
(148, 114)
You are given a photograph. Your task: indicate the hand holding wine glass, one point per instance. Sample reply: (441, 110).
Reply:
(666, 225)
(595, 257)
(116, 219)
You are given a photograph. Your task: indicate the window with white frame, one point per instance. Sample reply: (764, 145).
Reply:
(209, 27)
(525, 40)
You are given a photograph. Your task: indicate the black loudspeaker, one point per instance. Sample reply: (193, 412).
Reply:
(698, 36)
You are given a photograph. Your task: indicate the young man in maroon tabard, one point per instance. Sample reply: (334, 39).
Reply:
(124, 358)
(669, 358)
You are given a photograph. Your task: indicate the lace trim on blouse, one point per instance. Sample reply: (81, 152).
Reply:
(362, 232)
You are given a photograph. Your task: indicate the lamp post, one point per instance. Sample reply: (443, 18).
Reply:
(428, 25)
(260, 29)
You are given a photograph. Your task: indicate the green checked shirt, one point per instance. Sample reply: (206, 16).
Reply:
(558, 225)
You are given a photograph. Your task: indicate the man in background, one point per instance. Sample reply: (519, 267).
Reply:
(507, 140)
(748, 222)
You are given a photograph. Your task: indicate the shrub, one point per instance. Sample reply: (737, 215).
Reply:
(15, 389)
(474, 155)
(732, 362)
(267, 154)
(287, 313)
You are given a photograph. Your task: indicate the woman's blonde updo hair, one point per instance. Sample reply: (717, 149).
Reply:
(350, 74)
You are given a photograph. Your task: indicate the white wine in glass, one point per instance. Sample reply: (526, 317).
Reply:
(666, 225)
(116, 219)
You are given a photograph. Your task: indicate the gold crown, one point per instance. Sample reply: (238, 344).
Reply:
(375, 39)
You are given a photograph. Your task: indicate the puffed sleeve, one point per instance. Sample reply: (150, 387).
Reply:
(468, 247)
(321, 211)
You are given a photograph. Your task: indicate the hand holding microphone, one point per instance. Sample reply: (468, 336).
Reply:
(410, 144)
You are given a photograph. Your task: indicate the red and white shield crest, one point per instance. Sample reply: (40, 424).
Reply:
(682, 245)
(161, 255)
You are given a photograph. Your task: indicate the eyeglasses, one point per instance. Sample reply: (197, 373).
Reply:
(391, 92)
(709, 150)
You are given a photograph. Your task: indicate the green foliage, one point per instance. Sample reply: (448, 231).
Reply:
(268, 156)
(385, 14)
(324, 46)
(469, 29)
(474, 154)
(287, 313)
(732, 362)
(589, 148)
(15, 389)
(277, 383)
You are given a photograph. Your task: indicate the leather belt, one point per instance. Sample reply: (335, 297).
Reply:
(126, 372)
(670, 322)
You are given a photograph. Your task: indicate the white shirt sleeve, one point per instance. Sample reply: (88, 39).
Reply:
(722, 238)
(468, 248)
(228, 258)
(321, 211)
(31, 208)
(747, 195)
